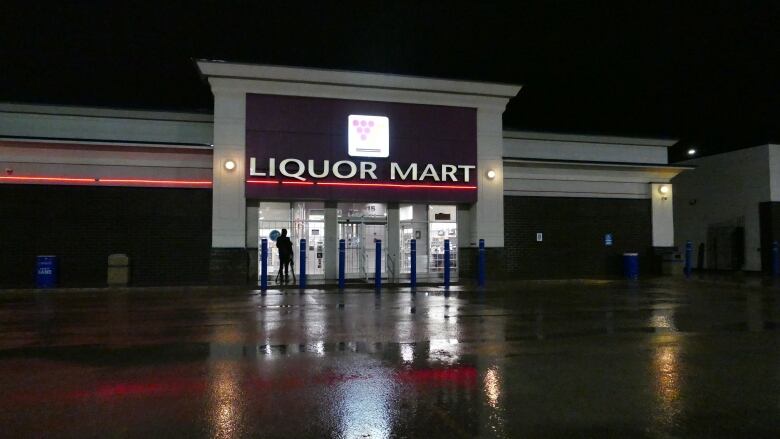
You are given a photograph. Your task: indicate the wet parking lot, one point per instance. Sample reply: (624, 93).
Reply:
(664, 358)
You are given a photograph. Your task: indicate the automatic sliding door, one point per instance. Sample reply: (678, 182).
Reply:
(351, 233)
(360, 225)
(371, 233)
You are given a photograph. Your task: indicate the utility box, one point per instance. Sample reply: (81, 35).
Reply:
(118, 270)
(672, 264)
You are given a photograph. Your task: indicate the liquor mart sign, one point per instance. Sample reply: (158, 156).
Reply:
(312, 170)
(333, 149)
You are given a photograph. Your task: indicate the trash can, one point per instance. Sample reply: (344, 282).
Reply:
(46, 271)
(631, 265)
(672, 264)
(118, 270)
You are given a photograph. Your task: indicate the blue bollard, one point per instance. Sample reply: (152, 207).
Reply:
(413, 262)
(378, 265)
(775, 258)
(302, 282)
(447, 264)
(342, 255)
(264, 264)
(688, 258)
(481, 264)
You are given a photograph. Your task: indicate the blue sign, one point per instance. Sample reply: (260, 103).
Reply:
(608, 240)
(274, 235)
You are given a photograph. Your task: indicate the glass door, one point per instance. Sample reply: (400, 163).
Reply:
(309, 224)
(443, 225)
(352, 234)
(272, 218)
(414, 225)
(360, 248)
(360, 225)
(302, 220)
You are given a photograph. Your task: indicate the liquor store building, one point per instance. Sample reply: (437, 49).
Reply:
(327, 155)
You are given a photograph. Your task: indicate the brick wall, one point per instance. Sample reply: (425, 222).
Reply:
(573, 236)
(165, 232)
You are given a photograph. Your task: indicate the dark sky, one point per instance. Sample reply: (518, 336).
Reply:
(705, 73)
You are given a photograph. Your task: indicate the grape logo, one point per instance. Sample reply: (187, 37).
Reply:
(369, 136)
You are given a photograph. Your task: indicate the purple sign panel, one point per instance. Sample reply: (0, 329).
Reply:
(300, 148)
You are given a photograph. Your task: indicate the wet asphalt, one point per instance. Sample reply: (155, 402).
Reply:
(663, 358)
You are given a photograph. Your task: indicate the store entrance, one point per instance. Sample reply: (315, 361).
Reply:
(302, 220)
(360, 226)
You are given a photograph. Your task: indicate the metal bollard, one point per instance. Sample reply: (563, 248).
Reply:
(413, 262)
(688, 258)
(481, 264)
(378, 265)
(342, 255)
(775, 258)
(264, 264)
(303, 264)
(447, 264)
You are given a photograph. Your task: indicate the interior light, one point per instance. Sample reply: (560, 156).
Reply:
(230, 165)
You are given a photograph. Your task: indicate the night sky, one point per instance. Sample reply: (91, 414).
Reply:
(705, 73)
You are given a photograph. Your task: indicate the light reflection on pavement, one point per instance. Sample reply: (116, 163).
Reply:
(666, 359)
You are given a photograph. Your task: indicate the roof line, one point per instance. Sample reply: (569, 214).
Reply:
(105, 112)
(593, 163)
(589, 138)
(356, 79)
(153, 144)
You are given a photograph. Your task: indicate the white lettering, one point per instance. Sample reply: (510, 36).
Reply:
(347, 169)
(252, 171)
(394, 168)
(429, 171)
(367, 168)
(325, 169)
(449, 171)
(337, 172)
(466, 169)
(297, 174)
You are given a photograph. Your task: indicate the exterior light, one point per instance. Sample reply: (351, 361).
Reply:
(230, 165)
(691, 151)
(490, 174)
(663, 189)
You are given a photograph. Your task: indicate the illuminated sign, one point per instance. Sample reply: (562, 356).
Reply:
(369, 136)
(303, 148)
(347, 169)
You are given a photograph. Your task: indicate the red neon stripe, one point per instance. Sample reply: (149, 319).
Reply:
(118, 180)
(106, 180)
(304, 183)
(131, 180)
(52, 179)
(398, 185)
(370, 185)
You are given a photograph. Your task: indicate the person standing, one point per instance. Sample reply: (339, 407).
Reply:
(284, 245)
